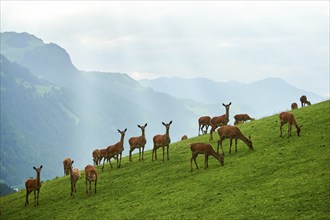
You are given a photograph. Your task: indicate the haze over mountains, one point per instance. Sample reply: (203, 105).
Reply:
(51, 110)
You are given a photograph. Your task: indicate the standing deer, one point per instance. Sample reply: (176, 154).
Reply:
(287, 117)
(207, 150)
(242, 118)
(303, 100)
(203, 121)
(162, 141)
(138, 142)
(74, 177)
(219, 120)
(96, 156)
(294, 106)
(33, 185)
(116, 150)
(232, 132)
(91, 176)
(66, 165)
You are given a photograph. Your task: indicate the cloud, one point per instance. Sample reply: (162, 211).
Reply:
(221, 40)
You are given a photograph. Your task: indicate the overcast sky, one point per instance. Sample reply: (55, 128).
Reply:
(220, 40)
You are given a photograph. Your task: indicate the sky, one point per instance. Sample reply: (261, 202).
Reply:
(243, 41)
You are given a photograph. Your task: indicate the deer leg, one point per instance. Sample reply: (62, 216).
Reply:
(38, 196)
(130, 155)
(139, 154)
(193, 157)
(235, 145)
(27, 197)
(163, 153)
(168, 156)
(142, 153)
(281, 129)
(206, 162)
(103, 163)
(120, 160)
(211, 136)
(231, 142)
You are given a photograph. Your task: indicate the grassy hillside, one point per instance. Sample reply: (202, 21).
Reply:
(281, 179)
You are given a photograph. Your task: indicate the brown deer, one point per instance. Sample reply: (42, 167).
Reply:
(91, 176)
(287, 117)
(138, 142)
(184, 137)
(242, 118)
(33, 185)
(207, 150)
(232, 132)
(74, 177)
(66, 165)
(162, 141)
(96, 156)
(219, 120)
(116, 150)
(303, 100)
(203, 121)
(294, 106)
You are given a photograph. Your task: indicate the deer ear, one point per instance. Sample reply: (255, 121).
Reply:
(145, 125)
(163, 123)
(118, 130)
(139, 126)
(170, 122)
(72, 162)
(40, 167)
(223, 104)
(125, 129)
(34, 168)
(229, 103)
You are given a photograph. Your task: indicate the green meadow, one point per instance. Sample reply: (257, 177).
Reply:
(282, 178)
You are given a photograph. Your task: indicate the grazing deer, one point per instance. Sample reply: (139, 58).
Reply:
(184, 137)
(96, 156)
(91, 176)
(33, 185)
(74, 177)
(242, 118)
(116, 150)
(287, 117)
(162, 141)
(219, 120)
(138, 142)
(294, 106)
(207, 150)
(66, 166)
(232, 132)
(203, 121)
(303, 100)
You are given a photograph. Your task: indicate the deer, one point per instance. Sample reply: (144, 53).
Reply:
(219, 120)
(242, 118)
(91, 176)
(162, 141)
(138, 142)
(232, 132)
(74, 177)
(116, 150)
(66, 165)
(96, 156)
(33, 185)
(294, 106)
(203, 121)
(207, 150)
(303, 100)
(287, 117)
(184, 137)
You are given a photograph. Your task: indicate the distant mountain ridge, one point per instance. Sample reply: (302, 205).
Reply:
(263, 97)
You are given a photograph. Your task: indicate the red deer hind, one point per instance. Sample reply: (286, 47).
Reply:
(207, 150)
(33, 185)
(203, 121)
(287, 117)
(116, 150)
(91, 176)
(162, 141)
(242, 118)
(294, 106)
(232, 132)
(138, 142)
(219, 120)
(304, 101)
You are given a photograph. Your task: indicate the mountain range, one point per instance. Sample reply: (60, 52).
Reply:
(51, 110)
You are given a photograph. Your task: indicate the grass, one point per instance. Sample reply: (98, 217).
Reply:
(283, 178)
